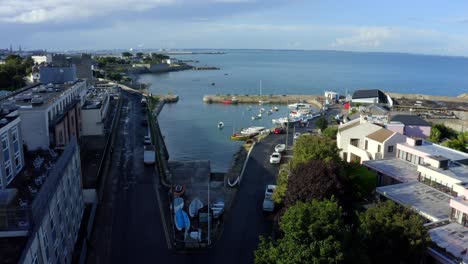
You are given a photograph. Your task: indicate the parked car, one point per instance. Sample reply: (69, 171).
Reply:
(268, 203)
(279, 130)
(280, 148)
(275, 158)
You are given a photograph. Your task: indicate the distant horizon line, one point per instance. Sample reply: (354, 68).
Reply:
(238, 49)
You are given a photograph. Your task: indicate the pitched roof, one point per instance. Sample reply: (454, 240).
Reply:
(370, 94)
(410, 120)
(349, 125)
(381, 135)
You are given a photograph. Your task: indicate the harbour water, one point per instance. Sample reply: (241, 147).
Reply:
(189, 126)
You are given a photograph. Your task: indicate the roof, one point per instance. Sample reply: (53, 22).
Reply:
(381, 135)
(349, 125)
(397, 169)
(427, 201)
(453, 238)
(370, 94)
(410, 120)
(437, 150)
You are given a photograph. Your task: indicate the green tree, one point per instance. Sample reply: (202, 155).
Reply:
(127, 54)
(281, 184)
(314, 232)
(459, 143)
(440, 131)
(321, 123)
(318, 180)
(311, 147)
(330, 132)
(140, 55)
(393, 234)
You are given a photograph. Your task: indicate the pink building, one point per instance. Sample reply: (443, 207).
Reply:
(409, 125)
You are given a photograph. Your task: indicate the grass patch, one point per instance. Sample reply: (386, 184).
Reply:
(282, 184)
(363, 180)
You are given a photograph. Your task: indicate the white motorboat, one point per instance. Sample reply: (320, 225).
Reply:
(295, 114)
(275, 108)
(280, 121)
(297, 106)
(220, 125)
(259, 116)
(251, 130)
(262, 110)
(263, 102)
(270, 112)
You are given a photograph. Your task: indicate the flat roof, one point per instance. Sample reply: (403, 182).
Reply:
(95, 97)
(437, 150)
(453, 238)
(38, 96)
(396, 168)
(427, 201)
(456, 171)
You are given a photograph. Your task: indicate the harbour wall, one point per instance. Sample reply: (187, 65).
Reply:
(272, 99)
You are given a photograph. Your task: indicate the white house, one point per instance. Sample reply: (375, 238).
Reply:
(42, 58)
(373, 96)
(360, 141)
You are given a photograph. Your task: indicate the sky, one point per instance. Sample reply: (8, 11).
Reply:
(416, 26)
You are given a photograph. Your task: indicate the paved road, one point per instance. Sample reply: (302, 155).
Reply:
(129, 227)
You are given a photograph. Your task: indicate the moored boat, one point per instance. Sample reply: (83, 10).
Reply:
(297, 106)
(182, 220)
(220, 125)
(239, 136)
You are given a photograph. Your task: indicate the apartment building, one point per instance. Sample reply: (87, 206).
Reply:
(50, 114)
(41, 224)
(11, 154)
(94, 111)
(432, 180)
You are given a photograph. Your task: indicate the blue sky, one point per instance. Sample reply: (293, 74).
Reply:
(429, 27)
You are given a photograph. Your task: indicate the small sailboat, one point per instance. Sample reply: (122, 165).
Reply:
(182, 220)
(259, 116)
(194, 206)
(220, 125)
(275, 108)
(262, 110)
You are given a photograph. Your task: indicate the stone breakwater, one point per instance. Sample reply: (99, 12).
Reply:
(315, 100)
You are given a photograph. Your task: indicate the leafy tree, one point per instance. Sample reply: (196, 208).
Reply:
(393, 234)
(318, 180)
(440, 131)
(14, 70)
(281, 184)
(314, 232)
(459, 143)
(127, 54)
(330, 132)
(310, 147)
(321, 123)
(140, 55)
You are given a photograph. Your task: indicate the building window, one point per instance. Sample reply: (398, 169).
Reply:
(9, 171)
(390, 149)
(365, 145)
(409, 156)
(6, 152)
(378, 148)
(18, 164)
(61, 137)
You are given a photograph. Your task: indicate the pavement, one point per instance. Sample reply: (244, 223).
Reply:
(129, 227)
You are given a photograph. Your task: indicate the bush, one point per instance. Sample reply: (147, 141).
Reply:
(282, 184)
(330, 132)
(321, 123)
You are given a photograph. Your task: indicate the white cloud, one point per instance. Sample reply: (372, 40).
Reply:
(38, 11)
(365, 37)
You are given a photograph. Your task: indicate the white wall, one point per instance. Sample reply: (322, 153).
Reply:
(91, 122)
(34, 129)
(393, 141)
(366, 100)
(360, 132)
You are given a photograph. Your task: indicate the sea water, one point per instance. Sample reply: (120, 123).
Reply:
(190, 126)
